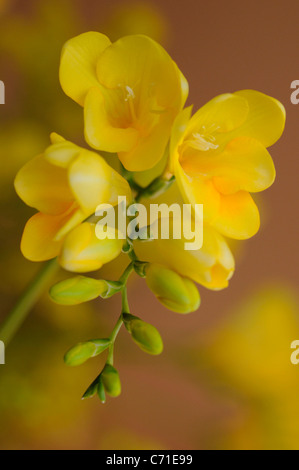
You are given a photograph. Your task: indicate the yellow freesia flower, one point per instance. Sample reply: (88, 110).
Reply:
(66, 184)
(219, 157)
(212, 266)
(131, 92)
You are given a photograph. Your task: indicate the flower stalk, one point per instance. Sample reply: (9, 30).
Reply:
(18, 314)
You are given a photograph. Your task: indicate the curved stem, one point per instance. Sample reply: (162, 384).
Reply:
(18, 314)
(125, 309)
(113, 337)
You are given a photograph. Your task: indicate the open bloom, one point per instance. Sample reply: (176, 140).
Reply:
(219, 157)
(131, 92)
(66, 184)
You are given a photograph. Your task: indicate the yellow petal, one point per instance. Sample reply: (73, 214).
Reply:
(94, 182)
(244, 164)
(62, 153)
(142, 64)
(178, 132)
(238, 216)
(100, 133)
(78, 64)
(145, 178)
(266, 118)
(44, 186)
(38, 240)
(82, 251)
(150, 149)
(222, 114)
(184, 88)
(198, 190)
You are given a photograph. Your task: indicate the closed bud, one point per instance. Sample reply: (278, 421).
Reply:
(101, 390)
(175, 292)
(84, 351)
(77, 290)
(146, 336)
(111, 381)
(82, 251)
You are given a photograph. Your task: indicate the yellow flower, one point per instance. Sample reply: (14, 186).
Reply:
(212, 266)
(66, 184)
(219, 157)
(131, 92)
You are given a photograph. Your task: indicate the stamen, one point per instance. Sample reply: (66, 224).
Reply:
(130, 93)
(203, 143)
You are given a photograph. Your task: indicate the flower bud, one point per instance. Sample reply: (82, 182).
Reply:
(101, 390)
(146, 336)
(83, 252)
(84, 351)
(78, 289)
(111, 381)
(175, 292)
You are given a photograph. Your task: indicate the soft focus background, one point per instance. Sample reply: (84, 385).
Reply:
(225, 380)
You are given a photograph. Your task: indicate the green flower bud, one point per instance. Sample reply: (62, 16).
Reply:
(146, 336)
(101, 390)
(175, 292)
(84, 351)
(80, 289)
(111, 381)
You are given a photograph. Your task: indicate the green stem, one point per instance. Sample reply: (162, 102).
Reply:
(125, 304)
(27, 301)
(113, 337)
(125, 309)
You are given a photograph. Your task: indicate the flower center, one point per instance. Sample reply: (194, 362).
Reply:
(204, 139)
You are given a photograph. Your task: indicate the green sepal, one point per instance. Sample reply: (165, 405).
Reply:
(92, 390)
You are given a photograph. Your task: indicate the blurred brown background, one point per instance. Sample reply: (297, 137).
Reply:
(225, 379)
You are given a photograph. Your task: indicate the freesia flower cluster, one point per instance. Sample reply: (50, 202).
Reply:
(134, 96)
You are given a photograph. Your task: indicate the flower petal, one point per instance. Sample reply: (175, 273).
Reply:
(238, 216)
(83, 252)
(222, 114)
(266, 118)
(244, 164)
(78, 64)
(44, 186)
(38, 240)
(142, 64)
(94, 182)
(61, 152)
(99, 131)
(198, 190)
(150, 148)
